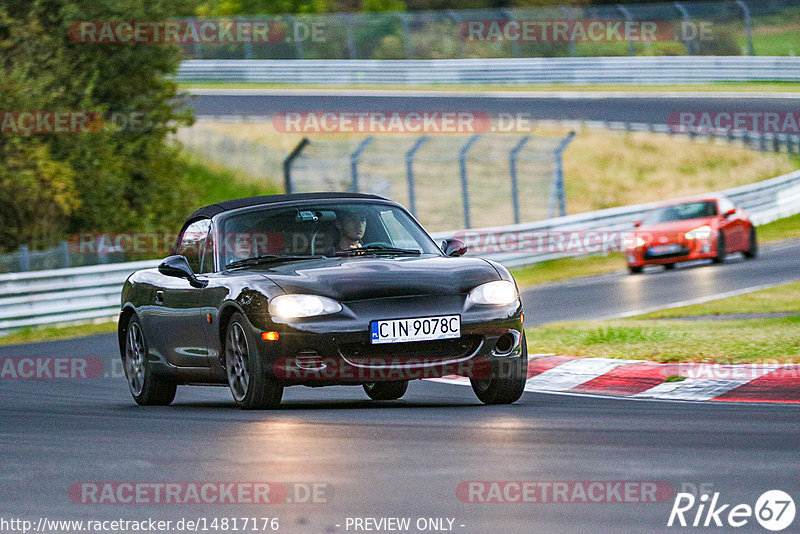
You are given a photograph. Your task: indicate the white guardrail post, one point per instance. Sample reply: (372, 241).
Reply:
(79, 294)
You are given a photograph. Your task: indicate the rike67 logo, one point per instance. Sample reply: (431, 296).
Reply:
(774, 510)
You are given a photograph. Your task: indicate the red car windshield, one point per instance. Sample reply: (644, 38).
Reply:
(680, 212)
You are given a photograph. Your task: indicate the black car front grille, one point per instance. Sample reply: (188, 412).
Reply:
(427, 351)
(682, 252)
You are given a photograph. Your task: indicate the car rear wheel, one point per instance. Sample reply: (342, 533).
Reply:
(147, 388)
(250, 386)
(635, 270)
(721, 249)
(508, 386)
(390, 390)
(752, 249)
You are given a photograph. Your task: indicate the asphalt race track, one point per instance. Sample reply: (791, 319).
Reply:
(643, 108)
(405, 458)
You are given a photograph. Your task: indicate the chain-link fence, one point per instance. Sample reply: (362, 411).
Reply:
(447, 181)
(731, 27)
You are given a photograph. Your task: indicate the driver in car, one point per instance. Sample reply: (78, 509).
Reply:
(351, 225)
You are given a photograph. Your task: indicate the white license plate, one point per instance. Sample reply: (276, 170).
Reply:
(416, 329)
(664, 249)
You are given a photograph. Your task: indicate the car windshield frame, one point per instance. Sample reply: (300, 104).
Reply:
(219, 221)
(656, 216)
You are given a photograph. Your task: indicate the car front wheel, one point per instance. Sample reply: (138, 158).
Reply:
(508, 387)
(250, 386)
(752, 249)
(147, 388)
(722, 251)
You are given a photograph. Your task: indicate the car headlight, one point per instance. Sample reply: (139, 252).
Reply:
(294, 306)
(704, 232)
(501, 292)
(638, 242)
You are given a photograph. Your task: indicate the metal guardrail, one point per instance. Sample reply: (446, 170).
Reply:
(503, 71)
(60, 296)
(86, 293)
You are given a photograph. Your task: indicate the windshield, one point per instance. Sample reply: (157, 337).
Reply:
(680, 212)
(319, 229)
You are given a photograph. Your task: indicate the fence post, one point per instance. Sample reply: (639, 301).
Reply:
(287, 164)
(685, 15)
(64, 252)
(514, 42)
(412, 199)
(571, 17)
(627, 14)
(103, 249)
(198, 51)
(351, 43)
(462, 162)
(557, 188)
(298, 43)
(406, 30)
(453, 14)
(512, 165)
(746, 10)
(354, 159)
(24, 258)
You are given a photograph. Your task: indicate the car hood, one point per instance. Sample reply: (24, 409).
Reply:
(676, 227)
(349, 279)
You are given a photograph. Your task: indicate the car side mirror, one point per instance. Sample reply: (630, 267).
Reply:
(730, 212)
(178, 267)
(637, 224)
(454, 247)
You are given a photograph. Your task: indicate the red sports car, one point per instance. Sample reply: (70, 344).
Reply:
(706, 227)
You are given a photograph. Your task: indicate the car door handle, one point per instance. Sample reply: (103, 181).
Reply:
(159, 297)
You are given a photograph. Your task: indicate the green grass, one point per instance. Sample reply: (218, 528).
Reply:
(739, 341)
(216, 183)
(787, 228)
(778, 299)
(52, 333)
(705, 87)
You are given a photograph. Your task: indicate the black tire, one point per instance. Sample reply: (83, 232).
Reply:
(508, 387)
(669, 266)
(147, 387)
(390, 390)
(722, 250)
(250, 386)
(635, 270)
(752, 249)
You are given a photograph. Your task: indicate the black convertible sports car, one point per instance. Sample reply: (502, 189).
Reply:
(318, 289)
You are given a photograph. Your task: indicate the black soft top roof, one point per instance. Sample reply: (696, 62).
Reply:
(214, 209)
